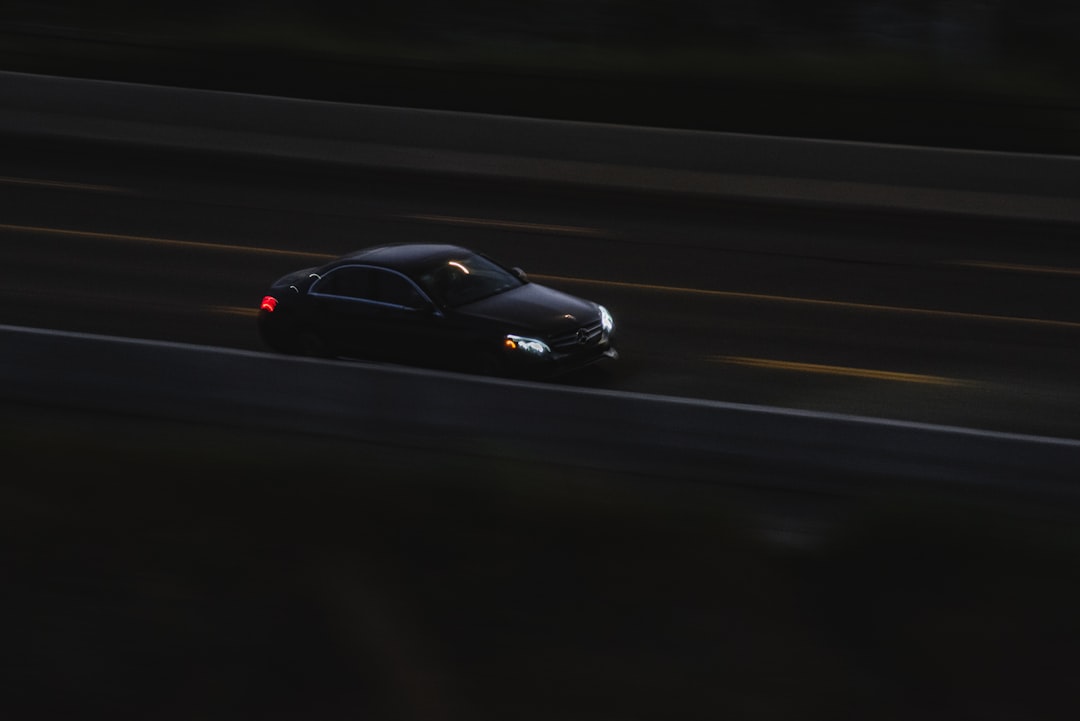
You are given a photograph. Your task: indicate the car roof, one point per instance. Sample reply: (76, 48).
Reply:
(408, 258)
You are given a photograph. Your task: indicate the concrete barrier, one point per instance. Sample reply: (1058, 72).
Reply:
(734, 166)
(671, 438)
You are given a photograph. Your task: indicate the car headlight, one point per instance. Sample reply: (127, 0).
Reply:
(532, 346)
(607, 323)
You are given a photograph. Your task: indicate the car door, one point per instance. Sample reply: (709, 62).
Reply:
(412, 327)
(346, 315)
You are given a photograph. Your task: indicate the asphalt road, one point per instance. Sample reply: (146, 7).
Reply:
(959, 321)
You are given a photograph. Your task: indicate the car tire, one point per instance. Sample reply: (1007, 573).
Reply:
(489, 364)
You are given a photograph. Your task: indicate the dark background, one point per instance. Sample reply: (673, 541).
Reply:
(184, 572)
(965, 73)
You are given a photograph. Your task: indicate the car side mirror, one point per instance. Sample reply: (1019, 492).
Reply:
(520, 274)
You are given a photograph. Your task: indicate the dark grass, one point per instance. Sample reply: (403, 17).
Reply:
(163, 570)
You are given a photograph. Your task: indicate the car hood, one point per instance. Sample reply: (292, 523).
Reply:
(534, 309)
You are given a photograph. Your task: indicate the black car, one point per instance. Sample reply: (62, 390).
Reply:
(438, 306)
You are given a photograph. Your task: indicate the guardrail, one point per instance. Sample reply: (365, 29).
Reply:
(673, 438)
(1005, 185)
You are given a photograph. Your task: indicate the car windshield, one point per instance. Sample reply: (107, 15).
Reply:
(459, 281)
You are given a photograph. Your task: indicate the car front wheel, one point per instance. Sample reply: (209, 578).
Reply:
(489, 364)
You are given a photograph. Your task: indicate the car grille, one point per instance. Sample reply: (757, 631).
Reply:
(586, 336)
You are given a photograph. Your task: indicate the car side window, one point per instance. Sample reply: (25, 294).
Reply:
(371, 284)
(347, 282)
(396, 290)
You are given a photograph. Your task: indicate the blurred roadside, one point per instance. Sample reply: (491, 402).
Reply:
(981, 74)
(157, 569)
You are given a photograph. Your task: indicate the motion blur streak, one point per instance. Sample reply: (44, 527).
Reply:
(234, 310)
(1017, 267)
(840, 370)
(163, 241)
(813, 301)
(510, 225)
(64, 185)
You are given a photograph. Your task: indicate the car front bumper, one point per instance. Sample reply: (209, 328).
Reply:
(561, 364)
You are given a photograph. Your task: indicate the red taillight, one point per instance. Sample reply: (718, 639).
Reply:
(268, 304)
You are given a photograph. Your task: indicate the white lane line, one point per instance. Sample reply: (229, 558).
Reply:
(593, 392)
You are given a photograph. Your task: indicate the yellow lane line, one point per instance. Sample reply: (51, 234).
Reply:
(234, 310)
(988, 265)
(163, 241)
(809, 301)
(564, 279)
(838, 370)
(60, 184)
(507, 224)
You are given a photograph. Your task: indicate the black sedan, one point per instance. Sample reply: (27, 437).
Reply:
(438, 306)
